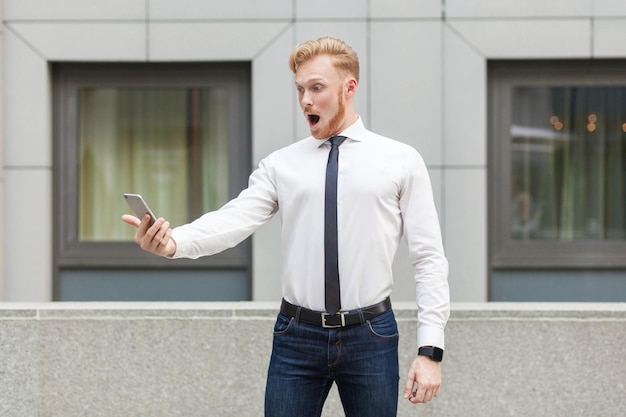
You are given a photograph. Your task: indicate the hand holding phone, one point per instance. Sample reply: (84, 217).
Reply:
(158, 242)
(139, 206)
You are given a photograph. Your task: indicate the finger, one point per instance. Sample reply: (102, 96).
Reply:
(152, 231)
(145, 222)
(422, 395)
(428, 395)
(157, 234)
(145, 234)
(418, 396)
(162, 234)
(168, 234)
(168, 247)
(132, 220)
(141, 235)
(408, 387)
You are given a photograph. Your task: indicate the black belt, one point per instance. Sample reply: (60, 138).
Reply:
(341, 319)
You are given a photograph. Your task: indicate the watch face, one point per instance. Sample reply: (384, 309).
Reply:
(437, 354)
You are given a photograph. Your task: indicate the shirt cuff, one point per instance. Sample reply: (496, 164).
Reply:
(182, 247)
(430, 336)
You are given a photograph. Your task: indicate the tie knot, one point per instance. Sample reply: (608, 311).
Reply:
(337, 140)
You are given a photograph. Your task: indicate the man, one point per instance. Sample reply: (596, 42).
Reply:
(380, 191)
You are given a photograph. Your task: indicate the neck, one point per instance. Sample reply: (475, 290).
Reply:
(349, 119)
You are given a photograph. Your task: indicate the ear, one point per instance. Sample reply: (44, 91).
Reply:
(350, 87)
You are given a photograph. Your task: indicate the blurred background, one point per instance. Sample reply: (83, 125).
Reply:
(518, 108)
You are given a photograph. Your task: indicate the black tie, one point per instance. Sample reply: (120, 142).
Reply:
(331, 263)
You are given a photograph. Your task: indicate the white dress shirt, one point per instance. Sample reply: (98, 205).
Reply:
(384, 192)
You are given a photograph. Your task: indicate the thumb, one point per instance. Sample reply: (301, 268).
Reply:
(132, 220)
(408, 387)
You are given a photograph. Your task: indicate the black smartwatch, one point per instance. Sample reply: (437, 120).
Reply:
(432, 352)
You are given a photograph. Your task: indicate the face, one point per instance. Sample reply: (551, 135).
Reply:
(321, 96)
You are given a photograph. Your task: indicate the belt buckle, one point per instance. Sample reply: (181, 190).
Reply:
(333, 326)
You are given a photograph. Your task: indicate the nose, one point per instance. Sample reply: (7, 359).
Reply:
(305, 99)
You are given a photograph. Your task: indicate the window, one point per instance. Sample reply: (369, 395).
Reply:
(557, 170)
(170, 144)
(176, 133)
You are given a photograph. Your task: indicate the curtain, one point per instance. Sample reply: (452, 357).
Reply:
(143, 141)
(568, 168)
(215, 152)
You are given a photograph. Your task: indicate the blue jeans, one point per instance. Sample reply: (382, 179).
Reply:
(306, 359)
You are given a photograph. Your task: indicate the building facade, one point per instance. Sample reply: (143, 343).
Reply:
(446, 76)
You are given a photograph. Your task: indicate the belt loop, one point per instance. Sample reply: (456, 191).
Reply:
(361, 316)
(297, 318)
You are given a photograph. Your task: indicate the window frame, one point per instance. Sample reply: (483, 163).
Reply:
(505, 252)
(68, 78)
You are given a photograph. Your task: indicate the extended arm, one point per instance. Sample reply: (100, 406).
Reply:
(217, 230)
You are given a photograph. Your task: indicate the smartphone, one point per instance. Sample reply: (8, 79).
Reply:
(139, 206)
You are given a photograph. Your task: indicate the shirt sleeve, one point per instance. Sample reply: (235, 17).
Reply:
(222, 229)
(426, 253)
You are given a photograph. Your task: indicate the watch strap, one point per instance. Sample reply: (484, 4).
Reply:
(432, 352)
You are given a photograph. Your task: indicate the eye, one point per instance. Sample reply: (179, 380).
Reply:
(300, 90)
(317, 87)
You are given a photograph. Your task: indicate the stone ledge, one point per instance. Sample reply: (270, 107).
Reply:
(196, 359)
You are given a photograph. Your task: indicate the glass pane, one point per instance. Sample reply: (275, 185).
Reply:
(170, 145)
(568, 158)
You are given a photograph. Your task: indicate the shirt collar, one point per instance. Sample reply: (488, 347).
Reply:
(356, 131)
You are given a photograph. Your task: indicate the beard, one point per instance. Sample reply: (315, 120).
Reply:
(334, 124)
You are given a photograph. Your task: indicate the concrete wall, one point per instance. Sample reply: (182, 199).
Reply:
(210, 359)
(423, 82)
(1, 159)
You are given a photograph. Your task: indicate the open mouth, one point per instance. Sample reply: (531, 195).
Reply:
(313, 119)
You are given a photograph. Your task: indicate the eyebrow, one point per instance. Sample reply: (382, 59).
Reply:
(310, 80)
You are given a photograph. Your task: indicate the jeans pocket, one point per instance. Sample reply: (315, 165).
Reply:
(384, 326)
(283, 324)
